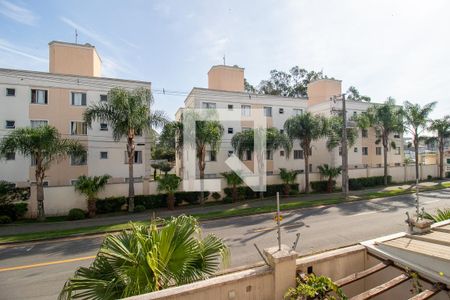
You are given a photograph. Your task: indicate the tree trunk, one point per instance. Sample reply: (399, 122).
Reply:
(130, 150)
(287, 189)
(441, 158)
(385, 158)
(91, 207)
(306, 154)
(39, 176)
(234, 193)
(330, 184)
(171, 201)
(201, 168)
(416, 154)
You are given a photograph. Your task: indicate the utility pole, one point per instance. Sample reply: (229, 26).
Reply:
(344, 149)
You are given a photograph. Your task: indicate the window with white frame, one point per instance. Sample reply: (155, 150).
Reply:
(364, 133)
(39, 96)
(10, 156)
(281, 111)
(365, 151)
(230, 106)
(38, 123)
(378, 150)
(230, 130)
(103, 98)
(103, 155)
(281, 153)
(267, 111)
(298, 154)
(209, 105)
(10, 124)
(355, 149)
(245, 110)
(10, 92)
(269, 155)
(78, 99)
(78, 128)
(297, 111)
(103, 127)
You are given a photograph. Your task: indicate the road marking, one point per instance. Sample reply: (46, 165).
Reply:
(56, 262)
(431, 201)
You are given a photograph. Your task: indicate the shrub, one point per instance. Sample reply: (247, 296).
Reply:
(111, 204)
(76, 214)
(363, 182)
(139, 208)
(216, 196)
(14, 210)
(227, 199)
(189, 197)
(447, 175)
(246, 192)
(5, 220)
(321, 186)
(429, 177)
(151, 201)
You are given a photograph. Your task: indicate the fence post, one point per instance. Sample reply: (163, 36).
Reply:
(284, 267)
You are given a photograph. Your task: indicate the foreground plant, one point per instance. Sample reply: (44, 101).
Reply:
(146, 259)
(90, 187)
(439, 216)
(314, 287)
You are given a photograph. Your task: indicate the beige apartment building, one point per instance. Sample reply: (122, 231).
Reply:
(226, 91)
(59, 98)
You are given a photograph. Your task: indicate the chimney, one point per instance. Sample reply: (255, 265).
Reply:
(74, 59)
(226, 78)
(321, 90)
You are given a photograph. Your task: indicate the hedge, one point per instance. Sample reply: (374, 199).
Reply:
(363, 182)
(14, 210)
(246, 192)
(111, 204)
(321, 186)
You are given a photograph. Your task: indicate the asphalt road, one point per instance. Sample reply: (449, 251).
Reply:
(39, 270)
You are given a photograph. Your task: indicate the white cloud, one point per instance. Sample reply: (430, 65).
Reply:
(18, 13)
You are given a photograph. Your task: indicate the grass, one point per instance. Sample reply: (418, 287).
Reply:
(232, 212)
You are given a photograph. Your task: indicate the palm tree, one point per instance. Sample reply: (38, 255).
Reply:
(128, 113)
(288, 177)
(90, 187)
(169, 183)
(146, 258)
(44, 145)
(387, 120)
(331, 173)
(233, 179)
(416, 120)
(245, 141)
(442, 129)
(306, 128)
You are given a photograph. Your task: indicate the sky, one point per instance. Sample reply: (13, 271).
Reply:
(383, 47)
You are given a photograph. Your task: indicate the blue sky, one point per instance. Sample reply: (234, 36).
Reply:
(385, 48)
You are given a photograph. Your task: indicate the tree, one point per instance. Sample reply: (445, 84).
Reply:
(169, 183)
(146, 258)
(90, 187)
(128, 113)
(43, 145)
(245, 141)
(165, 167)
(248, 87)
(386, 119)
(330, 172)
(335, 126)
(306, 128)
(442, 129)
(233, 179)
(288, 177)
(354, 95)
(415, 121)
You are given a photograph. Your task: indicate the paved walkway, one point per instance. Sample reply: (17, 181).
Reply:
(11, 229)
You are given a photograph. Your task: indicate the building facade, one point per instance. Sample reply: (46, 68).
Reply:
(59, 98)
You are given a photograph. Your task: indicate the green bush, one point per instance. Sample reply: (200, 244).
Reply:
(246, 192)
(139, 208)
(320, 186)
(14, 210)
(363, 182)
(429, 177)
(189, 197)
(227, 199)
(111, 204)
(76, 214)
(151, 201)
(5, 220)
(216, 196)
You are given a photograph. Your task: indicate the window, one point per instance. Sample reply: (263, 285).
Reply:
(397, 151)
(209, 105)
(355, 149)
(37, 123)
(298, 111)
(78, 128)
(10, 92)
(33, 160)
(269, 155)
(396, 136)
(364, 133)
(76, 160)
(137, 157)
(365, 151)
(248, 155)
(230, 130)
(310, 168)
(281, 131)
(281, 153)
(230, 106)
(267, 111)
(377, 133)
(230, 153)
(298, 154)
(10, 124)
(355, 114)
(10, 156)
(39, 96)
(103, 155)
(378, 150)
(397, 164)
(103, 98)
(245, 110)
(211, 156)
(78, 99)
(281, 111)
(103, 127)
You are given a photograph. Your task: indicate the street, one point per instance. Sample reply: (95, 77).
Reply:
(39, 270)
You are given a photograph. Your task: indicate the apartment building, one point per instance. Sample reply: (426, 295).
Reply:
(226, 91)
(59, 98)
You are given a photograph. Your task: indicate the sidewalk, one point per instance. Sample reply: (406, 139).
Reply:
(100, 220)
